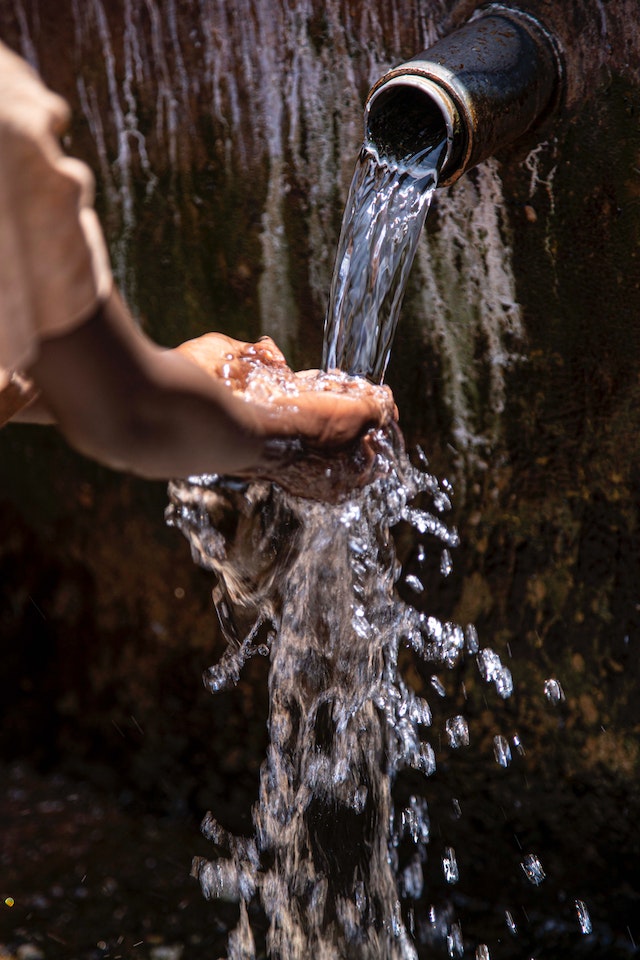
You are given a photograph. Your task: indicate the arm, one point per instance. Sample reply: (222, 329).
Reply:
(122, 400)
(214, 405)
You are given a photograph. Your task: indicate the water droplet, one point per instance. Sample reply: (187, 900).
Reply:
(457, 732)
(553, 691)
(502, 751)
(533, 869)
(492, 670)
(583, 917)
(450, 866)
(413, 879)
(510, 922)
(426, 759)
(437, 686)
(471, 638)
(419, 711)
(455, 943)
(452, 644)
(422, 457)
(457, 809)
(488, 663)
(414, 583)
(517, 744)
(441, 502)
(446, 564)
(414, 820)
(504, 683)
(482, 952)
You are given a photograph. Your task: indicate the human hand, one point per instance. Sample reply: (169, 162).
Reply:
(320, 428)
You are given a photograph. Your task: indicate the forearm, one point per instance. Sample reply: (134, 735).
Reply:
(125, 402)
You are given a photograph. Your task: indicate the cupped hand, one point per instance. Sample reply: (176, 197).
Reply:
(321, 429)
(324, 409)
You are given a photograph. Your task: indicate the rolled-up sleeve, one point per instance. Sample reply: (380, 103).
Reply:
(54, 266)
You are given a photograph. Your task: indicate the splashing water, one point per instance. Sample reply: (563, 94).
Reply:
(316, 586)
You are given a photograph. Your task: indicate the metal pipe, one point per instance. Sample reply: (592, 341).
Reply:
(481, 88)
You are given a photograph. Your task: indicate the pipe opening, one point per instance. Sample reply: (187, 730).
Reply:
(411, 123)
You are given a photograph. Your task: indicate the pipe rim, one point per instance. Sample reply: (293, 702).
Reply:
(437, 82)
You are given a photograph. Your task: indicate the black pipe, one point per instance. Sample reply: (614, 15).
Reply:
(481, 88)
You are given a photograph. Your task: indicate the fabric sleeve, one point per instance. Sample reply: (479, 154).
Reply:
(54, 266)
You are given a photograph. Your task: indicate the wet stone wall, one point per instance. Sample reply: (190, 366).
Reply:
(223, 138)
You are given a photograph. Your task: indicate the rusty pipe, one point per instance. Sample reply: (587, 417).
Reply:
(482, 88)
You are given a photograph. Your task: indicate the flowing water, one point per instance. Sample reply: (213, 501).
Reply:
(333, 865)
(386, 209)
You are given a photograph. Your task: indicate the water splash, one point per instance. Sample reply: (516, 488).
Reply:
(327, 861)
(584, 920)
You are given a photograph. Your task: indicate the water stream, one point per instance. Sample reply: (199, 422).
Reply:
(385, 212)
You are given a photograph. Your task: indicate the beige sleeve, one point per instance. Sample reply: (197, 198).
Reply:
(54, 266)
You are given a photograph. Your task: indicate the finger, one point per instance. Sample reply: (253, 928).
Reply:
(265, 349)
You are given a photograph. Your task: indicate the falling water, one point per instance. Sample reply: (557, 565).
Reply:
(386, 209)
(314, 588)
